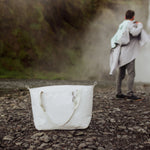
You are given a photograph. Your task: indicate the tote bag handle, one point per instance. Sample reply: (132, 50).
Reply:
(76, 97)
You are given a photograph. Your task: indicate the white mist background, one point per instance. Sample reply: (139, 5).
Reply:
(143, 59)
(96, 43)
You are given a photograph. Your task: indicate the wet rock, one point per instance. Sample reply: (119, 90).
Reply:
(118, 136)
(18, 143)
(139, 129)
(37, 135)
(100, 148)
(124, 137)
(101, 121)
(49, 149)
(22, 105)
(82, 145)
(42, 146)
(90, 139)
(116, 109)
(56, 146)
(79, 133)
(92, 146)
(123, 123)
(32, 147)
(121, 127)
(8, 138)
(112, 120)
(55, 137)
(130, 129)
(44, 138)
(26, 145)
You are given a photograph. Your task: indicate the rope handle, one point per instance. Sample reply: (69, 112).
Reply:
(75, 99)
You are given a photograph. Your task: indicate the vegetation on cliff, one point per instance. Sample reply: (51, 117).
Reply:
(40, 39)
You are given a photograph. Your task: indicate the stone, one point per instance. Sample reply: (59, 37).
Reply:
(124, 137)
(25, 145)
(42, 146)
(36, 135)
(44, 138)
(112, 120)
(32, 147)
(56, 145)
(118, 136)
(89, 139)
(100, 148)
(49, 149)
(55, 137)
(8, 138)
(92, 146)
(80, 133)
(117, 109)
(141, 130)
(82, 145)
(18, 143)
(121, 127)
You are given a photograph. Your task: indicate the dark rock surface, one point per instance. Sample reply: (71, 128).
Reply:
(117, 124)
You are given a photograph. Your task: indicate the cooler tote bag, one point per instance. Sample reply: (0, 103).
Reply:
(62, 106)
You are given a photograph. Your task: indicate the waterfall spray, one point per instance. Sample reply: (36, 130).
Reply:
(143, 60)
(148, 21)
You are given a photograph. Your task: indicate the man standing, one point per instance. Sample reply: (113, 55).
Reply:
(125, 44)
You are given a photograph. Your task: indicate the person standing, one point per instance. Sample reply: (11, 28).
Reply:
(124, 47)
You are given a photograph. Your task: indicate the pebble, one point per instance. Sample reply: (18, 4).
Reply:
(119, 122)
(100, 148)
(112, 120)
(121, 127)
(124, 137)
(44, 138)
(79, 133)
(18, 143)
(55, 137)
(82, 145)
(8, 138)
(117, 109)
(42, 146)
(56, 145)
(36, 135)
(49, 149)
(90, 139)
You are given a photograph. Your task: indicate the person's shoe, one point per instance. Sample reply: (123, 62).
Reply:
(121, 96)
(133, 97)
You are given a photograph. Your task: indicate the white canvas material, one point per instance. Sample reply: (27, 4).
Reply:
(62, 106)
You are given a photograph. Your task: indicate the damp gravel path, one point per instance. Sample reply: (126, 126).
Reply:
(117, 124)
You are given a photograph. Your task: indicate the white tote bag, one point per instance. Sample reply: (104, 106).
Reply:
(62, 106)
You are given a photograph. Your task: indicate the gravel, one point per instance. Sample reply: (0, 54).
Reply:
(117, 124)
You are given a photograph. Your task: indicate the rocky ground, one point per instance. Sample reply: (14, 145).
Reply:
(117, 124)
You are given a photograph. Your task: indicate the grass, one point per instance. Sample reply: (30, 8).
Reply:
(32, 74)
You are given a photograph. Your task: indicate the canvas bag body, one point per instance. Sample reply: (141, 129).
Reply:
(62, 107)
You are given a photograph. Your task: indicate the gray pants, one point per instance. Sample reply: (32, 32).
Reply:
(130, 67)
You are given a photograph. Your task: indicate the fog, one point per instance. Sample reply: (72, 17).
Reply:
(143, 59)
(96, 43)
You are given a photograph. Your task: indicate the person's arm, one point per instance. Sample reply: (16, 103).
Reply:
(135, 29)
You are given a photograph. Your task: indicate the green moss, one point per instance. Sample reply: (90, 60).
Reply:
(15, 31)
(35, 26)
(30, 74)
(1, 47)
(49, 75)
(72, 55)
(39, 13)
(11, 64)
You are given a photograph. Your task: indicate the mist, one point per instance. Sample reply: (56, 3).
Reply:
(96, 43)
(65, 39)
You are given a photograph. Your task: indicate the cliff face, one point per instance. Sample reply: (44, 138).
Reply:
(37, 35)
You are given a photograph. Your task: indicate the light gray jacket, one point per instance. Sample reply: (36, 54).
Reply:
(127, 46)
